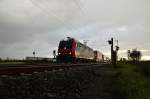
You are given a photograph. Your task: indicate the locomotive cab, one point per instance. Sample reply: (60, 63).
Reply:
(66, 50)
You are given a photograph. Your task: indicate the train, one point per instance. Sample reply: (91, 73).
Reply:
(71, 50)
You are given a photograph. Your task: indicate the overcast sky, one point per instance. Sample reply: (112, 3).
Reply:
(39, 25)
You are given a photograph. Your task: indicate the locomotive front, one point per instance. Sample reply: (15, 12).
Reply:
(66, 50)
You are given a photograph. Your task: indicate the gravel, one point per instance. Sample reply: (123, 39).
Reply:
(79, 83)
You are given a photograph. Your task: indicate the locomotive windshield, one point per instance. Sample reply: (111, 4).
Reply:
(65, 44)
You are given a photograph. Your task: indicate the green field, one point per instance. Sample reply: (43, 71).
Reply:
(133, 80)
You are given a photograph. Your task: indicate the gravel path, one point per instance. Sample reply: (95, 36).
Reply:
(77, 83)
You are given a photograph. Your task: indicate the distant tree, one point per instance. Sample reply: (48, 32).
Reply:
(123, 59)
(134, 55)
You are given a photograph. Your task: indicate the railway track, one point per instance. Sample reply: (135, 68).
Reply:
(29, 69)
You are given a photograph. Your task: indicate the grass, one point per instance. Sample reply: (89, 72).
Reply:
(145, 67)
(133, 81)
(12, 62)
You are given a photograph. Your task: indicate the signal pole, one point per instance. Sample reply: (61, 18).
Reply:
(54, 54)
(113, 52)
(117, 48)
(110, 42)
(34, 54)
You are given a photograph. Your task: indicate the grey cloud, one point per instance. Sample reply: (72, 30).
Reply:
(39, 25)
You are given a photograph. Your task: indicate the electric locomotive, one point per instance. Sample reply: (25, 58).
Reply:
(71, 50)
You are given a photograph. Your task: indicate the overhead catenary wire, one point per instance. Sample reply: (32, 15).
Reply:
(81, 5)
(78, 3)
(84, 10)
(51, 13)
